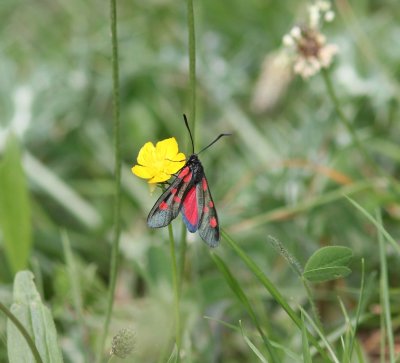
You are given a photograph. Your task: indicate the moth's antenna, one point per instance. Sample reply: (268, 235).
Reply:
(221, 135)
(190, 133)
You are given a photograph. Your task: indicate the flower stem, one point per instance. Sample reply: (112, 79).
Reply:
(192, 65)
(182, 256)
(283, 251)
(314, 308)
(23, 331)
(192, 120)
(117, 171)
(176, 291)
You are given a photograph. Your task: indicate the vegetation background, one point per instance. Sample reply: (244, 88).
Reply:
(283, 173)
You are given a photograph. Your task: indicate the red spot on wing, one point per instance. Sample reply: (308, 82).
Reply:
(190, 207)
(185, 171)
(206, 209)
(213, 222)
(177, 199)
(187, 178)
(204, 184)
(174, 191)
(163, 206)
(211, 204)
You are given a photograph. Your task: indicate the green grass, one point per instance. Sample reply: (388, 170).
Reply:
(308, 171)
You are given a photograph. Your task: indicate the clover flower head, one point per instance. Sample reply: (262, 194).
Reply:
(308, 45)
(123, 343)
(158, 163)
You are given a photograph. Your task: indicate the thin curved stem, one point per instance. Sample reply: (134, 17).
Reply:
(192, 120)
(117, 200)
(175, 282)
(192, 65)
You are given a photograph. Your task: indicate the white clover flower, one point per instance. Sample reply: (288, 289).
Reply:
(312, 53)
(329, 16)
(295, 32)
(314, 16)
(288, 40)
(308, 45)
(323, 5)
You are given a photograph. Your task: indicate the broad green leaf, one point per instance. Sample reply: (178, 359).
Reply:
(15, 213)
(326, 273)
(328, 263)
(37, 320)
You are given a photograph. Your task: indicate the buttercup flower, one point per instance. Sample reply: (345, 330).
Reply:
(311, 51)
(158, 163)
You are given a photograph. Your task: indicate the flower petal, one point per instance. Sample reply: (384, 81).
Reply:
(158, 163)
(174, 166)
(146, 155)
(144, 172)
(160, 177)
(167, 149)
(179, 157)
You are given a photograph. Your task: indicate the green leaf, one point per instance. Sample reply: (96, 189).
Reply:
(328, 263)
(37, 320)
(15, 213)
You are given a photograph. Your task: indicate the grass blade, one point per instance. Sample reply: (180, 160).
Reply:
(378, 225)
(15, 212)
(251, 345)
(305, 344)
(322, 336)
(360, 308)
(384, 291)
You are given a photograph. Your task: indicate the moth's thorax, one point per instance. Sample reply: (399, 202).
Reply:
(195, 166)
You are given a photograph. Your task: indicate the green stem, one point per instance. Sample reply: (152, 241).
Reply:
(347, 124)
(23, 331)
(192, 65)
(384, 291)
(182, 256)
(312, 303)
(117, 200)
(192, 120)
(360, 308)
(299, 270)
(176, 291)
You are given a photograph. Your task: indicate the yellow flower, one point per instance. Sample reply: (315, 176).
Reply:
(158, 163)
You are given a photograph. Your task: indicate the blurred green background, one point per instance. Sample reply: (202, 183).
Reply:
(283, 172)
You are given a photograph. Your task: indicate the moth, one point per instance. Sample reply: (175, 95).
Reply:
(190, 195)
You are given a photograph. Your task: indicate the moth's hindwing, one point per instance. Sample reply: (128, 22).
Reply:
(209, 225)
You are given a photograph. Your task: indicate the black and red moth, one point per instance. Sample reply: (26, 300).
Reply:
(189, 194)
